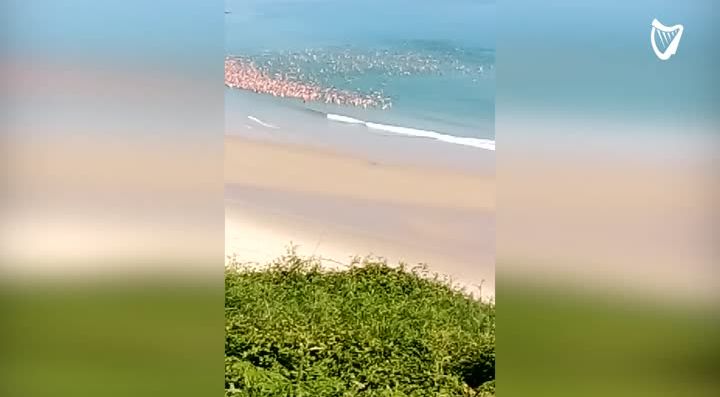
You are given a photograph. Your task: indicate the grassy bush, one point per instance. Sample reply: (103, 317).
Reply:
(293, 329)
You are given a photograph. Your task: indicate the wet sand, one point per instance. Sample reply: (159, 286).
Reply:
(336, 206)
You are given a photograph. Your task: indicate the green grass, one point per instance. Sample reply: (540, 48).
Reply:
(559, 340)
(293, 329)
(111, 338)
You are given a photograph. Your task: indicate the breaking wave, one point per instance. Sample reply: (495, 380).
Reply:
(262, 123)
(487, 144)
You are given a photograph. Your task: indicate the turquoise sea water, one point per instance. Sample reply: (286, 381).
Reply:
(435, 60)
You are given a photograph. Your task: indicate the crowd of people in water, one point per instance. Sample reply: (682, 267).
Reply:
(246, 75)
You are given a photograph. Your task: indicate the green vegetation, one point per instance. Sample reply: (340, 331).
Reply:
(293, 329)
(562, 339)
(116, 337)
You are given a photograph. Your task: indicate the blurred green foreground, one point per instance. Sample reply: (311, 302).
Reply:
(369, 331)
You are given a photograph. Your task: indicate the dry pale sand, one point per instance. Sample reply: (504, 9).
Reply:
(337, 206)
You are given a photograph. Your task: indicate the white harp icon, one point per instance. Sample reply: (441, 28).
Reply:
(665, 39)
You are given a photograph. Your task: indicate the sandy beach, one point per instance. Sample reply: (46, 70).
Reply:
(338, 206)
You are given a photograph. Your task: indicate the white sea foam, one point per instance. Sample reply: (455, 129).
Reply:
(487, 144)
(344, 119)
(255, 119)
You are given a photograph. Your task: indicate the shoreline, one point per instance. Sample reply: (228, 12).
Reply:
(396, 137)
(340, 206)
(300, 168)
